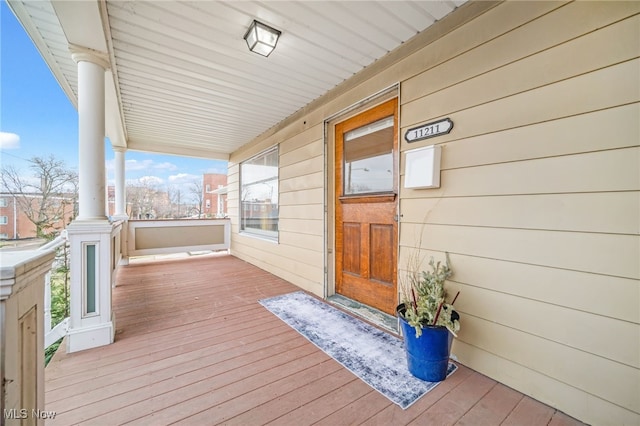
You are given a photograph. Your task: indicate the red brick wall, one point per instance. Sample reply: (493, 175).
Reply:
(18, 225)
(211, 182)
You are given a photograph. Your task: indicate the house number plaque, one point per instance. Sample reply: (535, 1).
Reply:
(429, 130)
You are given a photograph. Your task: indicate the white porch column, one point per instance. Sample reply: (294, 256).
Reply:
(90, 235)
(91, 130)
(121, 195)
(121, 203)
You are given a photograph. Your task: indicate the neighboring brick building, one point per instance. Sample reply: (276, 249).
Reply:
(214, 199)
(14, 223)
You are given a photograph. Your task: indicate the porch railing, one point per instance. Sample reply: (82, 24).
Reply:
(22, 277)
(25, 319)
(25, 294)
(151, 237)
(52, 335)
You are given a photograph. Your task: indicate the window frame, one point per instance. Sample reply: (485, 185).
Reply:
(273, 236)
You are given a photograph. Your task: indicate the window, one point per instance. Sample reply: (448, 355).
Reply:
(3, 220)
(208, 203)
(368, 158)
(4, 236)
(259, 195)
(3, 202)
(91, 278)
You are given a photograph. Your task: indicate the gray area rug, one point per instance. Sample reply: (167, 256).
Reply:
(376, 357)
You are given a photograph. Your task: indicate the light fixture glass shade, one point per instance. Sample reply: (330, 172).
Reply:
(261, 38)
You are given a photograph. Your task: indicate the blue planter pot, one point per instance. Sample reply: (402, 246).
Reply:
(427, 355)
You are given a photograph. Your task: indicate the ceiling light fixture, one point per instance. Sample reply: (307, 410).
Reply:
(261, 38)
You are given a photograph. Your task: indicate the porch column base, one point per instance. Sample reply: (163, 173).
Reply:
(92, 320)
(79, 339)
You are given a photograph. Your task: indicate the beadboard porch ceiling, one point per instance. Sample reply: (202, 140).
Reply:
(182, 80)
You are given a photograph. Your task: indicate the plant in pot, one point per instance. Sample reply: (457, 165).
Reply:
(428, 322)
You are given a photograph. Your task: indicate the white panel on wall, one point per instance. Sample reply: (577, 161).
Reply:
(422, 168)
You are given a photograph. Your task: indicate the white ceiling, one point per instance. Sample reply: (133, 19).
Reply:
(182, 79)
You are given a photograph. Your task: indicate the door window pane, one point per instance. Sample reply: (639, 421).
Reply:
(368, 158)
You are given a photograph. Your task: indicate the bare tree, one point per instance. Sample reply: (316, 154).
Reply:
(177, 199)
(148, 200)
(198, 196)
(48, 197)
(142, 198)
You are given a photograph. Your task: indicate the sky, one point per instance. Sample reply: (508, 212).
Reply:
(37, 119)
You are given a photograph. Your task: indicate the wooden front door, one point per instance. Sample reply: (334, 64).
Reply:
(366, 207)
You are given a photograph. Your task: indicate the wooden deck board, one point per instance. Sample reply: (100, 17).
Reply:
(493, 408)
(308, 389)
(529, 412)
(358, 411)
(175, 401)
(324, 406)
(448, 411)
(243, 401)
(188, 379)
(138, 363)
(194, 346)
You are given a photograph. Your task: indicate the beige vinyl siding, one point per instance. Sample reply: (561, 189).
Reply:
(570, 135)
(585, 93)
(539, 204)
(601, 212)
(580, 291)
(502, 36)
(608, 254)
(233, 201)
(299, 254)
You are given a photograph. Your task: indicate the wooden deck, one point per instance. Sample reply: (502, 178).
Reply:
(194, 347)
